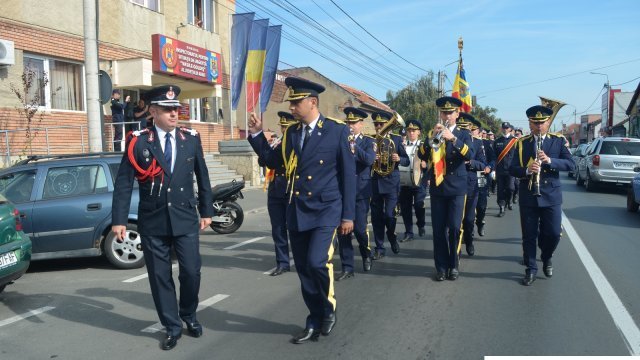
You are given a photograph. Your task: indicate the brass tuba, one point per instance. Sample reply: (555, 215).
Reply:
(385, 147)
(554, 105)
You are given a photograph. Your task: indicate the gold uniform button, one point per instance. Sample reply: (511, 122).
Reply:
(297, 177)
(297, 193)
(321, 162)
(309, 177)
(309, 193)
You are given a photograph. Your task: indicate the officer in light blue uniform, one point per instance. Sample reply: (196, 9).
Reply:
(483, 193)
(321, 173)
(385, 192)
(363, 147)
(477, 163)
(277, 199)
(448, 189)
(540, 213)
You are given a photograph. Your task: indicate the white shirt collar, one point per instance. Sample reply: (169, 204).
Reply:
(452, 127)
(312, 125)
(161, 133)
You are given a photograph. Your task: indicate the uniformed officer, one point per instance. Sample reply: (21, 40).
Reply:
(385, 192)
(321, 170)
(412, 197)
(363, 147)
(164, 159)
(476, 164)
(492, 177)
(483, 193)
(277, 199)
(448, 186)
(503, 147)
(540, 153)
(117, 117)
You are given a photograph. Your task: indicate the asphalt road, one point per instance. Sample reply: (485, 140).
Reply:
(84, 309)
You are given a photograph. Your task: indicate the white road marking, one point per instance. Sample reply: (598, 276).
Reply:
(203, 304)
(244, 243)
(256, 210)
(291, 263)
(144, 276)
(28, 314)
(621, 317)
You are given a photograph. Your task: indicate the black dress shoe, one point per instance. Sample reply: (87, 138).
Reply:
(395, 247)
(195, 329)
(529, 278)
(407, 237)
(366, 264)
(279, 271)
(308, 334)
(378, 255)
(328, 323)
(440, 276)
(471, 250)
(170, 342)
(345, 275)
(421, 232)
(547, 267)
(509, 206)
(453, 274)
(481, 230)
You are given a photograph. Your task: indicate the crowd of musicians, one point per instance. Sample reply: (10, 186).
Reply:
(328, 178)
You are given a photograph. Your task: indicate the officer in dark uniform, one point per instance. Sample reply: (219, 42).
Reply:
(321, 171)
(492, 140)
(412, 197)
(474, 165)
(117, 117)
(363, 147)
(503, 147)
(277, 199)
(540, 153)
(385, 192)
(483, 193)
(448, 186)
(164, 159)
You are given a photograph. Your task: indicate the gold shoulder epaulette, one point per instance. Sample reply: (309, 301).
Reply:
(335, 120)
(556, 135)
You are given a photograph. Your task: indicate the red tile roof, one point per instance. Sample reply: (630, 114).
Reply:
(365, 98)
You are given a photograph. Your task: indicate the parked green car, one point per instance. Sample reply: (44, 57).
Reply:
(15, 245)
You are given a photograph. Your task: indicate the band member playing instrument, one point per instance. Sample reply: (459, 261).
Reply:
(364, 149)
(412, 195)
(475, 165)
(539, 159)
(448, 186)
(503, 148)
(483, 193)
(386, 188)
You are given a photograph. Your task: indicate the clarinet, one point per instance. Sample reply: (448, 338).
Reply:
(536, 176)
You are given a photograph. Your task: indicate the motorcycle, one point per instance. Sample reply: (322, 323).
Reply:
(228, 215)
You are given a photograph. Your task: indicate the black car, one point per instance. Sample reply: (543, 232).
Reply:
(65, 203)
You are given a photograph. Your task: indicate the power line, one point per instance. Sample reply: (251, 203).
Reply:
(626, 82)
(380, 42)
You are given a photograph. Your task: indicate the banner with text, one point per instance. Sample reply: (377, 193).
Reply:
(175, 57)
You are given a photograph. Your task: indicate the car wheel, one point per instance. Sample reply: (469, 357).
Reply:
(127, 253)
(589, 184)
(632, 205)
(579, 180)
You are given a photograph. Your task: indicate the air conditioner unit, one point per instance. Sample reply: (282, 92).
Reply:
(7, 53)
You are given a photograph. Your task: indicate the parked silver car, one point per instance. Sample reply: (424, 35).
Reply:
(608, 160)
(577, 154)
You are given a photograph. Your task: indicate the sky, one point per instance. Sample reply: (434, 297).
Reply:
(513, 52)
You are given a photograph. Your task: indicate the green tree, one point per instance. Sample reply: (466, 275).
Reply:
(417, 101)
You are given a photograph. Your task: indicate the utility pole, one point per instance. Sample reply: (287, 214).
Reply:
(440, 83)
(91, 75)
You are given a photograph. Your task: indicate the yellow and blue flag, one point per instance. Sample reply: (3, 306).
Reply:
(461, 89)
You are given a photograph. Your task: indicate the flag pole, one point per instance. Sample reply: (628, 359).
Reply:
(460, 45)
(230, 72)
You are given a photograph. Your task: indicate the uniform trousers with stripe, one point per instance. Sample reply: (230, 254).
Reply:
(362, 236)
(313, 253)
(446, 221)
(541, 226)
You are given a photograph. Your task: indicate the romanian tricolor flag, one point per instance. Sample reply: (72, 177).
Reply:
(255, 61)
(461, 89)
(439, 162)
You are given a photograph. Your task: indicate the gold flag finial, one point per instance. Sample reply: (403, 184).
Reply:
(460, 43)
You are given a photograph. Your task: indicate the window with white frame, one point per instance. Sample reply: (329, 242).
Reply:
(202, 13)
(150, 4)
(65, 88)
(204, 110)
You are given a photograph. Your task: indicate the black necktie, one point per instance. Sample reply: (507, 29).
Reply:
(307, 135)
(168, 151)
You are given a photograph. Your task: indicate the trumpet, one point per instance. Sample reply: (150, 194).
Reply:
(534, 179)
(435, 139)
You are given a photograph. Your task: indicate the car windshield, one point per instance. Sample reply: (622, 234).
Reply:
(620, 148)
